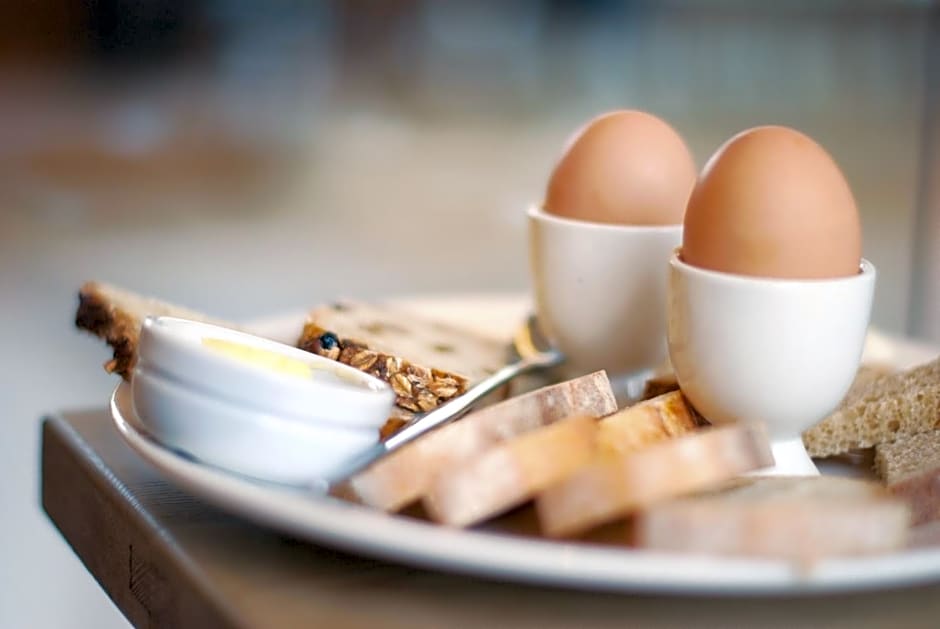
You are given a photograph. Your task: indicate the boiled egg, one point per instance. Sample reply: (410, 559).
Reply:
(623, 167)
(771, 202)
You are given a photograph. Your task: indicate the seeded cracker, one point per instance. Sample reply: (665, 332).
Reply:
(399, 347)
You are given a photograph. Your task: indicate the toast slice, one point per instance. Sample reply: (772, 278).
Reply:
(908, 456)
(911, 468)
(888, 407)
(405, 475)
(645, 423)
(511, 473)
(425, 361)
(617, 486)
(116, 315)
(791, 518)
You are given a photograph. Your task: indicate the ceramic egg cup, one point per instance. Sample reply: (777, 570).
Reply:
(779, 351)
(600, 291)
(252, 419)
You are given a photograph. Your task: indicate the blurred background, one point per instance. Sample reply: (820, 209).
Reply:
(248, 158)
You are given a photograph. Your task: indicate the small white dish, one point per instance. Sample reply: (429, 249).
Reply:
(600, 290)
(253, 406)
(777, 351)
(242, 440)
(236, 367)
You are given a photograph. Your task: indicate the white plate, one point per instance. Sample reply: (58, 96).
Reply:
(500, 556)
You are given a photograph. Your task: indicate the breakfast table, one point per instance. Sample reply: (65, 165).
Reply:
(167, 559)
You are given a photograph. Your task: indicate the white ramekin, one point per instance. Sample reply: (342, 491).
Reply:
(251, 419)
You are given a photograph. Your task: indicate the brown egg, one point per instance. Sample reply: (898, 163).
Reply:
(771, 202)
(624, 167)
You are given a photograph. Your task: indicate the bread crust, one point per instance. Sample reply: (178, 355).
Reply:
(115, 315)
(510, 473)
(120, 330)
(405, 475)
(614, 487)
(651, 421)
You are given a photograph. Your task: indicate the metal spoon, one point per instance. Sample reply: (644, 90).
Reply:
(532, 352)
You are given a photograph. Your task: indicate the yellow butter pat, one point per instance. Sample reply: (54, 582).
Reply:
(260, 357)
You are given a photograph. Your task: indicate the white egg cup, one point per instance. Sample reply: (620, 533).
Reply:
(600, 291)
(778, 351)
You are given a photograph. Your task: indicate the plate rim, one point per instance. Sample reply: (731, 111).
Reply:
(572, 565)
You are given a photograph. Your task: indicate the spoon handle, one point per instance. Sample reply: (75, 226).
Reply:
(449, 411)
(458, 406)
